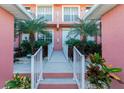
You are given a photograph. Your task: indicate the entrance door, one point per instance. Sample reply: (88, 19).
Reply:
(58, 40)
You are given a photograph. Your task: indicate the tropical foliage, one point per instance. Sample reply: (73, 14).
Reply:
(18, 82)
(98, 73)
(31, 27)
(26, 47)
(85, 47)
(84, 28)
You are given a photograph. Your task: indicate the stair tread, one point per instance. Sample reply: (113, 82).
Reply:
(58, 81)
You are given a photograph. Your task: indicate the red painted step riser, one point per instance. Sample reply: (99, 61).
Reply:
(57, 75)
(57, 86)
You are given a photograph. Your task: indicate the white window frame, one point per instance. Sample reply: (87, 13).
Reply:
(39, 5)
(50, 30)
(63, 6)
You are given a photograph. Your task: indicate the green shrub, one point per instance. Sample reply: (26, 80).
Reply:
(39, 43)
(98, 73)
(92, 47)
(73, 42)
(18, 82)
(85, 47)
(26, 47)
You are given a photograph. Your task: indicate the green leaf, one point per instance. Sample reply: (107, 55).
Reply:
(11, 84)
(114, 70)
(105, 68)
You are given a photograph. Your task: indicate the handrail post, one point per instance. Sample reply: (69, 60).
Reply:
(74, 62)
(83, 72)
(41, 61)
(36, 68)
(78, 68)
(32, 72)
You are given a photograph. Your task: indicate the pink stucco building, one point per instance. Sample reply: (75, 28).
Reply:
(7, 15)
(112, 31)
(60, 19)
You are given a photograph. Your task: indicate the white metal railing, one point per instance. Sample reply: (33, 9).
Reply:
(79, 68)
(36, 68)
(65, 51)
(50, 50)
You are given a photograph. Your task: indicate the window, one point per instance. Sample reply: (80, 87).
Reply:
(25, 37)
(90, 38)
(43, 37)
(46, 12)
(71, 14)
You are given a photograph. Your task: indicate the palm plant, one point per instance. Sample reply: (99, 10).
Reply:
(31, 27)
(84, 28)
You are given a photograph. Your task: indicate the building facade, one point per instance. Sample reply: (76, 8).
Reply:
(60, 18)
(7, 15)
(113, 40)
(111, 17)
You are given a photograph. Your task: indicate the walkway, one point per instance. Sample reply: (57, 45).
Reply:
(57, 56)
(58, 63)
(57, 73)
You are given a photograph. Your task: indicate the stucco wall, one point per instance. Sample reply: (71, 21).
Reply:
(113, 40)
(6, 46)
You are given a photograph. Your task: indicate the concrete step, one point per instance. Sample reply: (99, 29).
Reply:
(57, 75)
(58, 84)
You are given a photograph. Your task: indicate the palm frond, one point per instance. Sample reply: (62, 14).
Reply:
(84, 28)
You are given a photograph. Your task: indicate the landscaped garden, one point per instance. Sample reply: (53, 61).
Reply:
(98, 73)
(29, 47)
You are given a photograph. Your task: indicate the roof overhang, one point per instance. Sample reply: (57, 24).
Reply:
(98, 10)
(17, 10)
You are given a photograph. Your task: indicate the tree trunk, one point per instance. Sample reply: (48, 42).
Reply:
(32, 39)
(20, 35)
(82, 47)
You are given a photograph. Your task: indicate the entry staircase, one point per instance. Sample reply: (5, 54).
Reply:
(57, 72)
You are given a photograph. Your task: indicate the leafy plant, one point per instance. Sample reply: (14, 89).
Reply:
(31, 27)
(18, 82)
(84, 28)
(97, 76)
(98, 73)
(26, 47)
(85, 47)
(73, 42)
(96, 59)
(39, 43)
(92, 47)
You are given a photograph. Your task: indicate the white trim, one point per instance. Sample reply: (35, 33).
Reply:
(52, 13)
(63, 6)
(98, 10)
(17, 10)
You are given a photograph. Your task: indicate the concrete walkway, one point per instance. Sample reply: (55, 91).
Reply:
(57, 56)
(58, 63)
